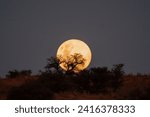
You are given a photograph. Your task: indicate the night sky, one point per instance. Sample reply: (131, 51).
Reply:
(117, 31)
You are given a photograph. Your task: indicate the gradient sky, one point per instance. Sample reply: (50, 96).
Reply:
(118, 31)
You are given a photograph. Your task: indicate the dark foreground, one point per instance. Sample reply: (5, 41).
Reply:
(75, 87)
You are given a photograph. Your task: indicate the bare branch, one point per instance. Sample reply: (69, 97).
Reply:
(71, 62)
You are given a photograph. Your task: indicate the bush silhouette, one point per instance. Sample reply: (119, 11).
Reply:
(100, 79)
(12, 74)
(16, 73)
(116, 79)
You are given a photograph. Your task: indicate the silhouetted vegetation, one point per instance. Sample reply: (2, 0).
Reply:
(72, 62)
(116, 79)
(16, 73)
(95, 83)
(53, 63)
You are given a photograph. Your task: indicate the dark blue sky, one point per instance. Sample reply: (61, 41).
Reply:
(118, 31)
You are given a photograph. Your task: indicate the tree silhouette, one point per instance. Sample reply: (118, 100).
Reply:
(53, 62)
(118, 72)
(71, 63)
(100, 79)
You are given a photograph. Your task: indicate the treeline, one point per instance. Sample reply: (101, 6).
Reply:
(52, 81)
(108, 83)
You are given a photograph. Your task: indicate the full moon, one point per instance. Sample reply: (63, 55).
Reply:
(71, 47)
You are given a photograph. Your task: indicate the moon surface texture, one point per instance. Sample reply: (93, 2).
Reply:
(74, 46)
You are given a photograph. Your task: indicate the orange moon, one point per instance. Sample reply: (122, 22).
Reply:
(71, 47)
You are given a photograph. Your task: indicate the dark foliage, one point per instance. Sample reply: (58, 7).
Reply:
(16, 73)
(53, 63)
(116, 79)
(95, 81)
